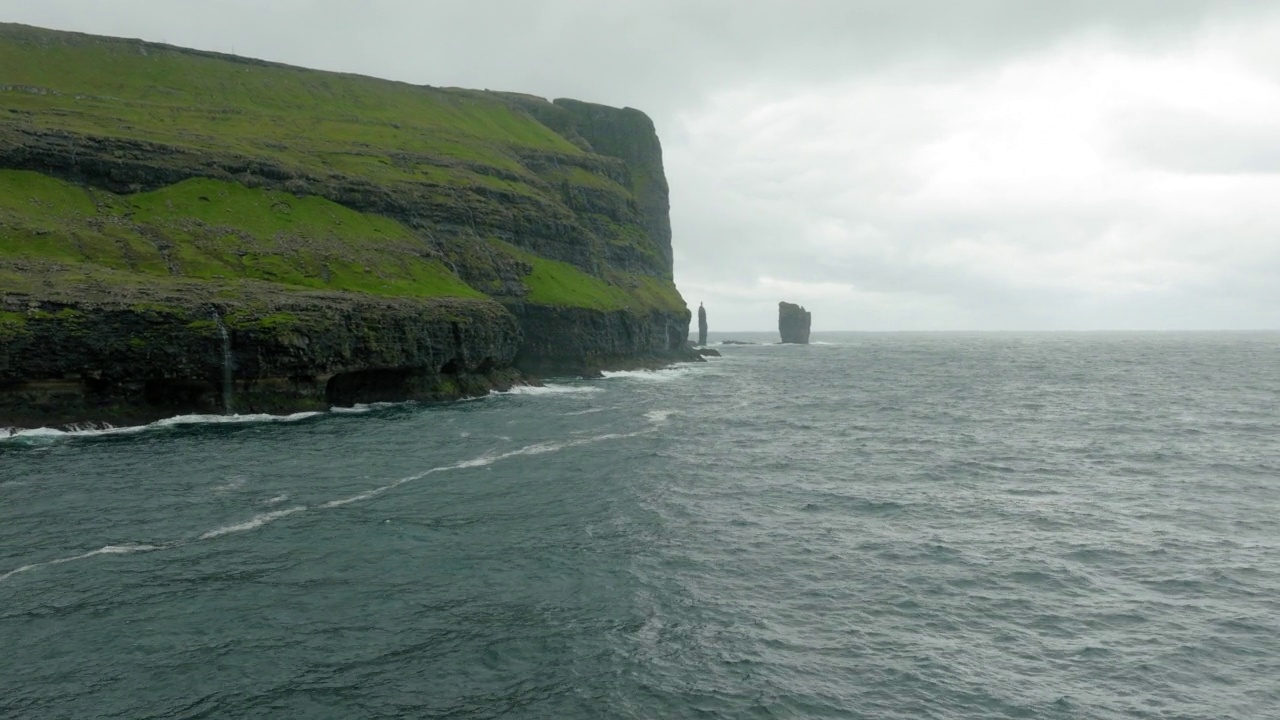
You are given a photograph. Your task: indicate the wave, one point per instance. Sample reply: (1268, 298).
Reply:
(549, 390)
(262, 519)
(95, 430)
(663, 375)
(252, 523)
(107, 550)
(362, 408)
(105, 429)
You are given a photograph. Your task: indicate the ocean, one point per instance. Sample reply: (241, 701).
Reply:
(873, 526)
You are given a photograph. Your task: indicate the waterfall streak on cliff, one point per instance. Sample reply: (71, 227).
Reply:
(226, 364)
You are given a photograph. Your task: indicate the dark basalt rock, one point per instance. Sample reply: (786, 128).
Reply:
(702, 325)
(579, 342)
(117, 360)
(793, 323)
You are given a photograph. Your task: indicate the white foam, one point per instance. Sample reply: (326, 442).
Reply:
(659, 416)
(233, 419)
(276, 500)
(663, 375)
(362, 408)
(107, 550)
(588, 411)
(367, 495)
(252, 523)
(85, 431)
(236, 483)
(549, 390)
(46, 433)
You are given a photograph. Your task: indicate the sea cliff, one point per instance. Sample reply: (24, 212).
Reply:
(186, 231)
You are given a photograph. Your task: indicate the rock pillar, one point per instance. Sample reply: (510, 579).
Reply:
(793, 323)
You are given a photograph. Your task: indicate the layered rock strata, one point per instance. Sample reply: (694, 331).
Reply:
(321, 239)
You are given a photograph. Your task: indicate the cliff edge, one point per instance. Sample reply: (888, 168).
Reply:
(183, 230)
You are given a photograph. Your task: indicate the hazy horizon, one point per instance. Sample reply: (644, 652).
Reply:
(714, 334)
(893, 166)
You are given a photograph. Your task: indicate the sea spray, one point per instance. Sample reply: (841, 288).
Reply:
(227, 387)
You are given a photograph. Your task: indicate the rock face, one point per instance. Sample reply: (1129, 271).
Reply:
(793, 323)
(408, 242)
(104, 360)
(702, 325)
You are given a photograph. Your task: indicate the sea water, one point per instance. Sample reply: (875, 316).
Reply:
(879, 526)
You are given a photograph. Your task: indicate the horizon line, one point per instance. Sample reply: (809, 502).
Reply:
(1080, 331)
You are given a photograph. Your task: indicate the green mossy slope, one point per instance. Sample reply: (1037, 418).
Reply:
(218, 231)
(157, 124)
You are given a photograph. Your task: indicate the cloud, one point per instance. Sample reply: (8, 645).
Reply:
(989, 164)
(1054, 190)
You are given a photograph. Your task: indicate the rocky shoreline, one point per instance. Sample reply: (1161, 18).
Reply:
(106, 362)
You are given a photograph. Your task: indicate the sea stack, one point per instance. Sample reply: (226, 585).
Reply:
(793, 323)
(702, 325)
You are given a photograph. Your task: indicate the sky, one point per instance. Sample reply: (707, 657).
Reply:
(889, 164)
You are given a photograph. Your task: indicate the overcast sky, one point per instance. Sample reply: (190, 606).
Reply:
(892, 165)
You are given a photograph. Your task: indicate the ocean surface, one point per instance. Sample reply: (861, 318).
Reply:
(874, 526)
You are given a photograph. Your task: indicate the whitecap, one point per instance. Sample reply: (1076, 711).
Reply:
(235, 483)
(361, 497)
(105, 429)
(549, 390)
(658, 417)
(181, 420)
(362, 408)
(106, 550)
(663, 375)
(252, 523)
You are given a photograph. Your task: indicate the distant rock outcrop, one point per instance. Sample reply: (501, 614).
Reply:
(702, 325)
(793, 323)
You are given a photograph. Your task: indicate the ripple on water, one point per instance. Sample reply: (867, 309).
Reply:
(897, 526)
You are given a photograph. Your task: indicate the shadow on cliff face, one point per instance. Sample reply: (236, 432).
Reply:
(395, 384)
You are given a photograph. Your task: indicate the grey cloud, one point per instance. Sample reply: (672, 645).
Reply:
(654, 54)
(1199, 143)
(813, 145)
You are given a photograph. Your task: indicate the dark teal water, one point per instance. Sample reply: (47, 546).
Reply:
(890, 526)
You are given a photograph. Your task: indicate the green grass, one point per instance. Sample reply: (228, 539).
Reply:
(301, 118)
(317, 124)
(551, 282)
(251, 321)
(213, 230)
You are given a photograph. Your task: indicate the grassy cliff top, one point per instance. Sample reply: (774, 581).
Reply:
(316, 120)
(125, 163)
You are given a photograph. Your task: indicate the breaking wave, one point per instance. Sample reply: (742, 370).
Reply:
(662, 375)
(549, 390)
(105, 430)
